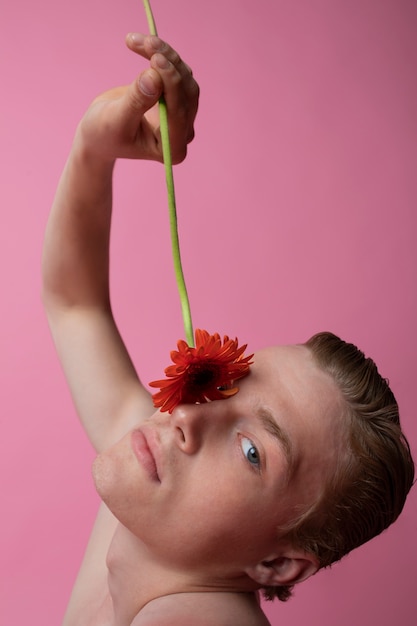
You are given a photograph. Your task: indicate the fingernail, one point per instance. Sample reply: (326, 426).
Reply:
(147, 84)
(136, 38)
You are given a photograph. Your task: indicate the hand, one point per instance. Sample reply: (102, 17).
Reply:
(124, 122)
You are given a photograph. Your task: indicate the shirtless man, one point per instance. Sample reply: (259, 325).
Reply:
(205, 507)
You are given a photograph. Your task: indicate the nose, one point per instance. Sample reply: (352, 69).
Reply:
(188, 421)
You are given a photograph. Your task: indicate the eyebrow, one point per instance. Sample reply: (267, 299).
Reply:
(270, 424)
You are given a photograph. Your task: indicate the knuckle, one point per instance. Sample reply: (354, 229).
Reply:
(174, 57)
(195, 90)
(179, 154)
(175, 78)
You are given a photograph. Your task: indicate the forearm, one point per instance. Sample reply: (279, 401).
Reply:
(104, 385)
(76, 249)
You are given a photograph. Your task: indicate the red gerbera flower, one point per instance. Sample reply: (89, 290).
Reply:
(206, 372)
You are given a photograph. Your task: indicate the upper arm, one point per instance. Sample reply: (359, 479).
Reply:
(105, 387)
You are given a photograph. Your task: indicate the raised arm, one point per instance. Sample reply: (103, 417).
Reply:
(122, 123)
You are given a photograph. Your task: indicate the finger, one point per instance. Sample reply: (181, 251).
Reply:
(181, 91)
(177, 101)
(149, 45)
(190, 86)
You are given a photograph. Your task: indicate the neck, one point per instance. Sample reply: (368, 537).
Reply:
(135, 577)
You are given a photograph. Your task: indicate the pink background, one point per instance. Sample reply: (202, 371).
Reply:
(297, 214)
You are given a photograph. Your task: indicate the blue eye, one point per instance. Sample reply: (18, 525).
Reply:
(250, 451)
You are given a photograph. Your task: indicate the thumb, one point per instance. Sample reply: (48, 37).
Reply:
(145, 91)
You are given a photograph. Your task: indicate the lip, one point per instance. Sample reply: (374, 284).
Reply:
(144, 450)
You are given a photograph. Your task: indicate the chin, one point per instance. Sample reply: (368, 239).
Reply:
(99, 472)
(114, 490)
(105, 471)
(104, 482)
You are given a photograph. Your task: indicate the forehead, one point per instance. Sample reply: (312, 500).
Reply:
(290, 375)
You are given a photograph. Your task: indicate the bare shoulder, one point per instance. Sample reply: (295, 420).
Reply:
(203, 609)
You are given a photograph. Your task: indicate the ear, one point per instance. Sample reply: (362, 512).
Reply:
(284, 570)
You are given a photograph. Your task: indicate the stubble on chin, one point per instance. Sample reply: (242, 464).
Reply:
(102, 478)
(96, 472)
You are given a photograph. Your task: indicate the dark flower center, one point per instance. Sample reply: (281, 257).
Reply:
(202, 374)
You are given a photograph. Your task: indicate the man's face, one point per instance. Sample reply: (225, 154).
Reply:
(210, 484)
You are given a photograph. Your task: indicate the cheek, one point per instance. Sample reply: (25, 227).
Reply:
(222, 516)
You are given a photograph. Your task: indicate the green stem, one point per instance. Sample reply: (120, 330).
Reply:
(166, 152)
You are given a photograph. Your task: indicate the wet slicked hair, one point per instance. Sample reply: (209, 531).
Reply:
(367, 491)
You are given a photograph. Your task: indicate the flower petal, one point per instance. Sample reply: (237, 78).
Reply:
(206, 372)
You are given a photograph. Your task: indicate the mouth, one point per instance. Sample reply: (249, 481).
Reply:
(144, 454)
